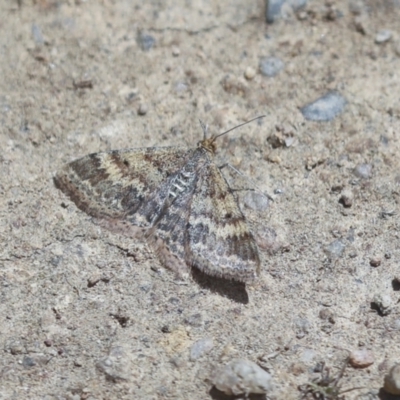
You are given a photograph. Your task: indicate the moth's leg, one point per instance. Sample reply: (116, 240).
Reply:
(245, 177)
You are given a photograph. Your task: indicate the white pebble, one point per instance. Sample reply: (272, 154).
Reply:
(176, 51)
(383, 36)
(249, 73)
(143, 109)
(242, 376)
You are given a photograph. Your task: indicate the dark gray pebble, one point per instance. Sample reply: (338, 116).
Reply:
(28, 362)
(325, 108)
(146, 41)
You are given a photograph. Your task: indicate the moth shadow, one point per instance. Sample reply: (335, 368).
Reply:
(234, 290)
(217, 395)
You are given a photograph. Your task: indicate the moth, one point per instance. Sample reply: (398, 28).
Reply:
(175, 198)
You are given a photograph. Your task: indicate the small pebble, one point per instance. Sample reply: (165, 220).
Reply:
(335, 249)
(200, 348)
(303, 327)
(362, 358)
(280, 139)
(395, 325)
(37, 34)
(242, 377)
(146, 41)
(78, 362)
(383, 36)
(383, 302)
(116, 365)
(28, 362)
(392, 380)
(274, 8)
(249, 73)
(324, 108)
(176, 51)
(346, 198)
(361, 24)
(17, 348)
(256, 201)
(363, 171)
(270, 66)
(194, 320)
(356, 7)
(274, 158)
(375, 261)
(181, 87)
(143, 109)
(327, 315)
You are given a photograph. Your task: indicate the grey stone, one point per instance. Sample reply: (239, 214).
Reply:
(363, 171)
(274, 8)
(271, 66)
(28, 362)
(383, 302)
(335, 249)
(146, 41)
(37, 34)
(242, 377)
(324, 108)
(200, 348)
(116, 365)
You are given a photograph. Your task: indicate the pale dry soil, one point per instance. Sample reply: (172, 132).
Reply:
(88, 314)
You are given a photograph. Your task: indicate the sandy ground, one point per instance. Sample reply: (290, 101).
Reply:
(88, 314)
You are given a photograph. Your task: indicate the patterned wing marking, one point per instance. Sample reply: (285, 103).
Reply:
(220, 241)
(109, 184)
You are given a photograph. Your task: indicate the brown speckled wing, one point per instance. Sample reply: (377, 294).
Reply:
(112, 185)
(220, 241)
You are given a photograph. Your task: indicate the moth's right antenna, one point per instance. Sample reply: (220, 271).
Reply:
(238, 126)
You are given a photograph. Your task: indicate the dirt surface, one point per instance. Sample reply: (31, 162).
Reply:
(88, 314)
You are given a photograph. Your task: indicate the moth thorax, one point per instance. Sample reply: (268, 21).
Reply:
(179, 184)
(208, 144)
